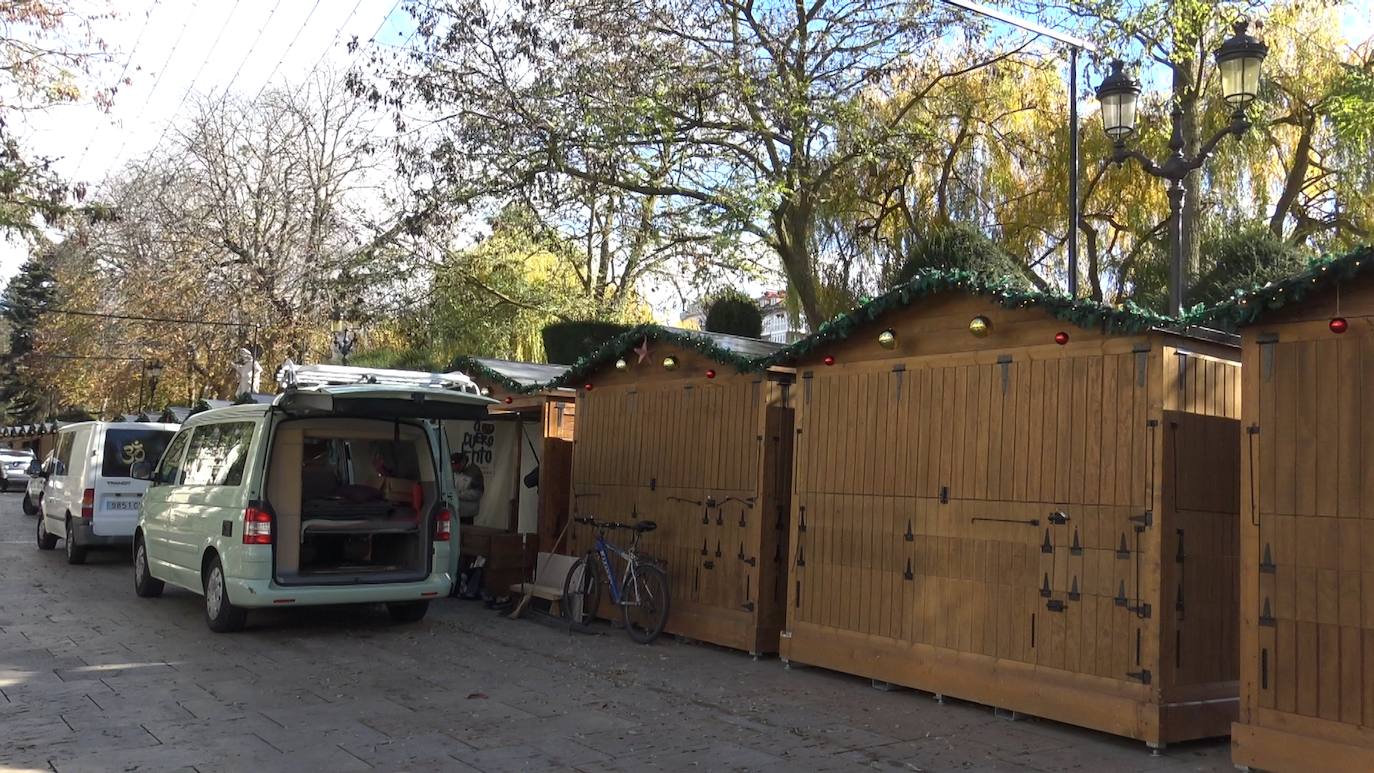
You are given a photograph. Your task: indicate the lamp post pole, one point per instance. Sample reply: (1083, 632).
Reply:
(1075, 45)
(1239, 60)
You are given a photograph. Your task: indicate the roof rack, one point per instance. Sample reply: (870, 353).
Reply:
(293, 375)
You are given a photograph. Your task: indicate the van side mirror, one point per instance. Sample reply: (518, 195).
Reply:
(35, 469)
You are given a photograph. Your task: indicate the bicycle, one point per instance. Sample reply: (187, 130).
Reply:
(641, 593)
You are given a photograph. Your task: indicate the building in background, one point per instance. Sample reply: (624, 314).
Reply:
(778, 324)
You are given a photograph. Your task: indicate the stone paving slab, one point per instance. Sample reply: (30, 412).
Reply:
(93, 678)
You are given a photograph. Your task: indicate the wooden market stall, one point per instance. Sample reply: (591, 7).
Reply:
(1307, 521)
(531, 506)
(995, 504)
(684, 429)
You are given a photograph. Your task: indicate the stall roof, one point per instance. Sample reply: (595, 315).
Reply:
(1087, 314)
(745, 354)
(1248, 306)
(512, 374)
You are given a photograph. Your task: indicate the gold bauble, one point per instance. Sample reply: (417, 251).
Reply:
(670, 363)
(980, 326)
(621, 364)
(887, 339)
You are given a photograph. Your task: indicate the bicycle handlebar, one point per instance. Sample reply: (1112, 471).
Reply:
(603, 524)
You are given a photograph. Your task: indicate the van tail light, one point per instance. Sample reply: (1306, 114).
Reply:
(257, 526)
(87, 504)
(443, 526)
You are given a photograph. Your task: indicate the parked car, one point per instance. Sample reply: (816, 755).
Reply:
(330, 495)
(98, 476)
(14, 468)
(38, 478)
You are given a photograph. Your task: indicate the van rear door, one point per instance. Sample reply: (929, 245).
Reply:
(126, 449)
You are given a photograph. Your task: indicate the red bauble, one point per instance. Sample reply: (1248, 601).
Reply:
(509, 400)
(587, 387)
(710, 373)
(829, 359)
(1338, 325)
(1061, 338)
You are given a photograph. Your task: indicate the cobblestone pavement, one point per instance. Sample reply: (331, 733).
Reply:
(93, 678)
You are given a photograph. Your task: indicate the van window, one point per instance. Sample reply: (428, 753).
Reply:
(169, 469)
(132, 450)
(218, 454)
(64, 453)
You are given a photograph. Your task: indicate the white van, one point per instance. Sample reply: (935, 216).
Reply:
(93, 489)
(330, 495)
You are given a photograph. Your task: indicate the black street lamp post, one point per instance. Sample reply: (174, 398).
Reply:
(1238, 59)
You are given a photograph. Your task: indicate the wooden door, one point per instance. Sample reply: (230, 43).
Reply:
(1309, 452)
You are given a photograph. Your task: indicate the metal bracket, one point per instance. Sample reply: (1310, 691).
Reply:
(751, 560)
(1143, 675)
(944, 495)
(1146, 519)
(709, 564)
(1076, 549)
(1267, 616)
(1056, 605)
(908, 575)
(1059, 518)
(1122, 551)
(909, 536)
(1142, 611)
(801, 523)
(1267, 564)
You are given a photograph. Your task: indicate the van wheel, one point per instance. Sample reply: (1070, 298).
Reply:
(29, 508)
(4, 486)
(220, 614)
(76, 554)
(145, 584)
(408, 611)
(46, 541)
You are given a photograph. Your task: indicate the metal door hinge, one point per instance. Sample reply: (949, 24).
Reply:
(1146, 518)
(1143, 675)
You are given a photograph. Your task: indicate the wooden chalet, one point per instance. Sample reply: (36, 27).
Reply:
(683, 428)
(1307, 521)
(1023, 501)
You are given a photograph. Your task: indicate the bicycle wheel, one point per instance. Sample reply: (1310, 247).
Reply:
(581, 591)
(646, 603)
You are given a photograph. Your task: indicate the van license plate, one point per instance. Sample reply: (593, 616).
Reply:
(122, 504)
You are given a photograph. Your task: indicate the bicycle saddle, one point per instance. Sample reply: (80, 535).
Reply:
(643, 526)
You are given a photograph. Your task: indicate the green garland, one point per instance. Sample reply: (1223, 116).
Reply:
(616, 347)
(1247, 306)
(470, 366)
(1081, 312)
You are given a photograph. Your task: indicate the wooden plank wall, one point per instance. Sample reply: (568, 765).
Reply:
(1308, 547)
(709, 461)
(925, 451)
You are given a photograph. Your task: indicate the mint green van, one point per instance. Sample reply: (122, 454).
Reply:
(329, 495)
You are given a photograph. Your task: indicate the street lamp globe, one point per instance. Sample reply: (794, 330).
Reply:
(1239, 60)
(154, 369)
(1118, 95)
